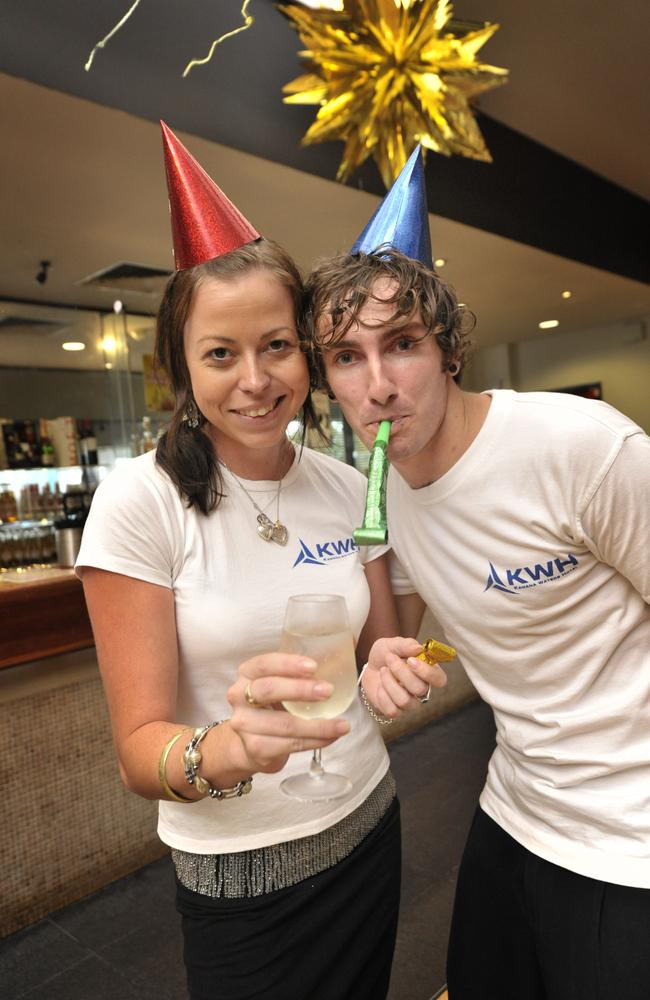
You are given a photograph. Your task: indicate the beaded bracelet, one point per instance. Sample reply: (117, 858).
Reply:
(192, 760)
(383, 720)
(162, 773)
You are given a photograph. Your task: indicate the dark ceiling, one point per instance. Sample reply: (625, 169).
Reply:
(530, 193)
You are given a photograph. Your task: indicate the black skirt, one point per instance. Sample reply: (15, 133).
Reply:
(330, 937)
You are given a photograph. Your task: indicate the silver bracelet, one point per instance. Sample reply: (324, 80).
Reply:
(383, 720)
(192, 758)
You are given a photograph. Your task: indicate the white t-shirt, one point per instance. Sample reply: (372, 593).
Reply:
(532, 552)
(230, 592)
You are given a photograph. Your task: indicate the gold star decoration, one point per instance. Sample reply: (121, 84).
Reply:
(388, 74)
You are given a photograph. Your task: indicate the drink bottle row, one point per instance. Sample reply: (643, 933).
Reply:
(33, 503)
(61, 442)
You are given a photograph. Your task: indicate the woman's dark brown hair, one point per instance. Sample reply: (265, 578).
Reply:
(339, 287)
(185, 453)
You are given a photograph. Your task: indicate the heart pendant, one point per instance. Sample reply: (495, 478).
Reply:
(280, 533)
(264, 527)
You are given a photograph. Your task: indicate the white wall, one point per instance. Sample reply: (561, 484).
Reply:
(616, 356)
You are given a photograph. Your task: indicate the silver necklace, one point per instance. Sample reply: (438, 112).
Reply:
(267, 529)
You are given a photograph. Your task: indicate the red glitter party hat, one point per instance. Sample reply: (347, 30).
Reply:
(205, 224)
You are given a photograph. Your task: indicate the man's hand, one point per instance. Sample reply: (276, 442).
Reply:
(394, 680)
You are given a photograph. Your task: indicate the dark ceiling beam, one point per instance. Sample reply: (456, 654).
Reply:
(533, 195)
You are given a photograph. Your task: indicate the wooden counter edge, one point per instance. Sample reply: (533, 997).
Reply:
(42, 619)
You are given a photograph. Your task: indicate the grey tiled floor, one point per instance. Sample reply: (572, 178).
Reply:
(123, 943)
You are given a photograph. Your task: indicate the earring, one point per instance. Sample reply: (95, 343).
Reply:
(192, 415)
(453, 368)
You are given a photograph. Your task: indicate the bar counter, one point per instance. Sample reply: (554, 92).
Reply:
(42, 613)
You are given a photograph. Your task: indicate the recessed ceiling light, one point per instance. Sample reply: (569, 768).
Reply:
(439, 262)
(548, 324)
(118, 306)
(108, 364)
(567, 294)
(73, 345)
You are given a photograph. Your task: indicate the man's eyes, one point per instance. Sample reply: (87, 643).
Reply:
(400, 345)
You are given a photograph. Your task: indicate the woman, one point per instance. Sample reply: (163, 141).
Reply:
(187, 561)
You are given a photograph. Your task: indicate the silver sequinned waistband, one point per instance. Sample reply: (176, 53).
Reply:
(266, 869)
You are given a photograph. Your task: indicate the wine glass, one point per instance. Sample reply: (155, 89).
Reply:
(317, 625)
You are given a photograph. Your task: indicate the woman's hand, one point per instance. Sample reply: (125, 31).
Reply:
(395, 681)
(267, 733)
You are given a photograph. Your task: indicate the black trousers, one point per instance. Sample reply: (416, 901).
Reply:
(526, 929)
(330, 937)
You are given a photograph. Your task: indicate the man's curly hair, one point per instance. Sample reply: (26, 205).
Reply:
(339, 287)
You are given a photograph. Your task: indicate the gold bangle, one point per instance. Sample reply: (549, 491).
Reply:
(162, 775)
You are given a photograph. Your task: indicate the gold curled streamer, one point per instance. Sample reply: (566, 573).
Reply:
(248, 19)
(102, 44)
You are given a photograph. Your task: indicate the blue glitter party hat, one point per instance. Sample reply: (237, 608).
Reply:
(402, 221)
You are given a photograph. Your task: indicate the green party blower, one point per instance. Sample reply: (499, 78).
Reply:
(374, 530)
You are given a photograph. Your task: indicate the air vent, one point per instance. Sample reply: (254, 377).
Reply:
(127, 277)
(10, 325)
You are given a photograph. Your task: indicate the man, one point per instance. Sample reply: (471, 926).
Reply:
(522, 520)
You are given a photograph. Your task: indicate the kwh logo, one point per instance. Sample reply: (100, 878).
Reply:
(325, 552)
(524, 577)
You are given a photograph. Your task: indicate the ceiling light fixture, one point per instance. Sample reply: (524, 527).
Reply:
(108, 344)
(439, 262)
(567, 294)
(73, 345)
(118, 306)
(548, 324)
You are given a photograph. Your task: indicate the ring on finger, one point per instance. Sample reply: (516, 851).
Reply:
(425, 697)
(248, 695)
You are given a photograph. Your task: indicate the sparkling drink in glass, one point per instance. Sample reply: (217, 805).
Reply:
(317, 625)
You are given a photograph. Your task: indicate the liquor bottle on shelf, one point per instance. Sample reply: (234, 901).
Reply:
(91, 443)
(47, 453)
(30, 445)
(48, 502)
(8, 505)
(87, 442)
(58, 501)
(25, 504)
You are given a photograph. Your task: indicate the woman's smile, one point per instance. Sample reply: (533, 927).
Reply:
(260, 411)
